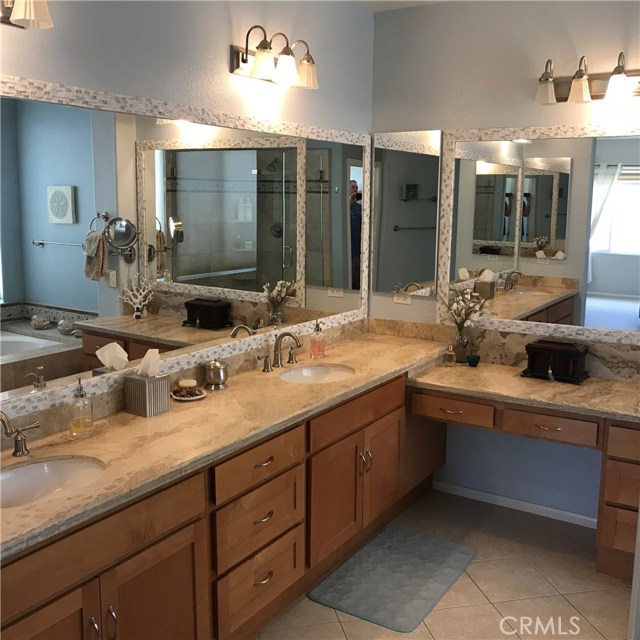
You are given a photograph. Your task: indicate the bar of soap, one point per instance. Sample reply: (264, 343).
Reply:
(187, 383)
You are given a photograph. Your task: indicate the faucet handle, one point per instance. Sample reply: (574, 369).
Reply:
(267, 368)
(292, 356)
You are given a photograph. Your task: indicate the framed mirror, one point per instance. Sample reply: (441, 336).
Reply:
(405, 206)
(103, 116)
(557, 181)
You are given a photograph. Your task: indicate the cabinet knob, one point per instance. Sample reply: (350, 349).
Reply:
(545, 428)
(363, 465)
(451, 412)
(114, 619)
(370, 458)
(94, 626)
(265, 519)
(264, 580)
(266, 463)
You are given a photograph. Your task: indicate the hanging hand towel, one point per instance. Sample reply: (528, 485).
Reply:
(96, 255)
(161, 265)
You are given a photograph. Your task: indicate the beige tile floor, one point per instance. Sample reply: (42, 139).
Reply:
(526, 567)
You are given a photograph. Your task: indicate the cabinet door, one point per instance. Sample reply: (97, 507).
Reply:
(75, 616)
(381, 479)
(335, 503)
(160, 593)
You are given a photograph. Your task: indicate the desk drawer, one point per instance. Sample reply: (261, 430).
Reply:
(622, 484)
(449, 410)
(247, 589)
(258, 464)
(624, 443)
(350, 416)
(540, 425)
(250, 522)
(618, 528)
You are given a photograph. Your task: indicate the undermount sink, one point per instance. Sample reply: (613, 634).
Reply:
(29, 482)
(525, 292)
(318, 373)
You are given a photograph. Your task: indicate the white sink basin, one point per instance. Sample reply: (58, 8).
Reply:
(29, 482)
(318, 373)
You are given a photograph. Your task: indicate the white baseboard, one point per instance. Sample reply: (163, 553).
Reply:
(520, 505)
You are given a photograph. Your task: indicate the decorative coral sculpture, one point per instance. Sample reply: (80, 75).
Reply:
(138, 296)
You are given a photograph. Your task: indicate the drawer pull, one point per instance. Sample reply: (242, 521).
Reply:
(363, 466)
(545, 428)
(370, 463)
(266, 463)
(264, 580)
(262, 520)
(94, 626)
(451, 412)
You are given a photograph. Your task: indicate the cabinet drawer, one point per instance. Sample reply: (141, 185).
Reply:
(622, 483)
(539, 316)
(138, 350)
(452, 410)
(343, 420)
(618, 528)
(258, 464)
(250, 522)
(91, 343)
(624, 443)
(247, 589)
(560, 310)
(539, 425)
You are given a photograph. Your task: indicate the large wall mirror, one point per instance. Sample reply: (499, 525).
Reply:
(405, 212)
(553, 207)
(261, 193)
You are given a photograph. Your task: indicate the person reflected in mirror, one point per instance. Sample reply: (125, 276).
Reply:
(508, 203)
(355, 211)
(526, 208)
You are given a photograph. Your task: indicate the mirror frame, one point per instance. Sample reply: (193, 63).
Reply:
(61, 392)
(447, 189)
(142, 146)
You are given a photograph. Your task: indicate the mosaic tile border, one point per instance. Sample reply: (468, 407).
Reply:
(447, 175)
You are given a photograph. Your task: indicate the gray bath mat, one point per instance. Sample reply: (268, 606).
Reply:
(395, 579)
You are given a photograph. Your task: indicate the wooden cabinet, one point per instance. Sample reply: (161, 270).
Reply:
(159, 592)
(557, 313)
(354, 480)
(619, 499)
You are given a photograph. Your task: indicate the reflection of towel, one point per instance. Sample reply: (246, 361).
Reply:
(161, 265)
(95, 248)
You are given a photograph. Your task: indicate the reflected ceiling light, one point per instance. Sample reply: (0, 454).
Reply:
(264, 64)
(27, 14)
(618, 87)
(580, 84)
(583, 87)
(546, 91)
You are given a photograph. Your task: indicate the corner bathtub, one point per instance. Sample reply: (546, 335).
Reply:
(14, 343)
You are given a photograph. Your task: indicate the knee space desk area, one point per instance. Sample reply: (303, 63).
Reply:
(603, 415)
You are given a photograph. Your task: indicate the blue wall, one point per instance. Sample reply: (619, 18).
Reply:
(54, 148)
(544, 473)
(10, 219)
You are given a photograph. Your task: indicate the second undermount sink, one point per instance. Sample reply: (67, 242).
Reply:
(318, 373)
(23, 484)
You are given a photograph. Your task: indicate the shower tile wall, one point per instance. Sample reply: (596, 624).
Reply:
(318, 214)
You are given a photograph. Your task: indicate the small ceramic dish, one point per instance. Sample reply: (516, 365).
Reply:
(472, 361)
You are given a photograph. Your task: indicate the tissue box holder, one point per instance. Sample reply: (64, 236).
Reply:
(566, 360)
(486, 290)
(145, 396)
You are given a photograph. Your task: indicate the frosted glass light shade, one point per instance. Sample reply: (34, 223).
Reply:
(286, 72)
(579, 91)
(307, 75)
(618, 88)
(263, 65)
(31, 14)
(546, 93)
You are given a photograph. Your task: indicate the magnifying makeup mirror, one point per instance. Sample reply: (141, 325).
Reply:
(176, 230)
(121, 234)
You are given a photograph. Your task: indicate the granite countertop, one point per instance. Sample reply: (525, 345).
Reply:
(163, 330)
(595, 396)
(521, 302)
(144, 454)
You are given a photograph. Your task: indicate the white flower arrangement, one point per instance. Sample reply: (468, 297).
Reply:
(541, 242)
(277, 296)
(465, 309)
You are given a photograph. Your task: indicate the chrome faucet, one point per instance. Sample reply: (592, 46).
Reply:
(19, 439)
(40, 383)
(406, 287)
(242, 327)
(509, 282)
(277, 347)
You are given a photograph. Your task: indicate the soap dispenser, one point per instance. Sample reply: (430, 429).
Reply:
(81, 423)
(317, 346)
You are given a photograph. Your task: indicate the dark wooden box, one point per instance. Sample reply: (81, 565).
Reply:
(552, 360)
(207, 313)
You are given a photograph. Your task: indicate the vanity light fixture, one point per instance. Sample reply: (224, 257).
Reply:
(584, 87)
(264, 64)
(26, 14)
(580, 84)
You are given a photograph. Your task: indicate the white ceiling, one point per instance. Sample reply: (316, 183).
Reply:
(390, 5)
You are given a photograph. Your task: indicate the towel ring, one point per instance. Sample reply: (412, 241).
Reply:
(104, 217)
(159, 224)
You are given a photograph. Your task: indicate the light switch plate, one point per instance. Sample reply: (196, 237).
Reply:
(335, 293)
(401, 298)
(113, 278)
